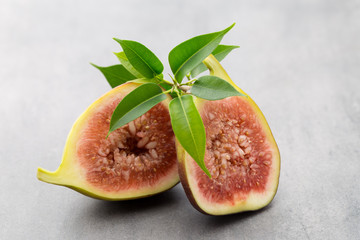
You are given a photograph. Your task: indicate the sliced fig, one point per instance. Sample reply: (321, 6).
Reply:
(241, 155)
(136, 160)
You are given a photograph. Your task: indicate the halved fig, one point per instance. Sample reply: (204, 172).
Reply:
(241, 155)
(136, 160)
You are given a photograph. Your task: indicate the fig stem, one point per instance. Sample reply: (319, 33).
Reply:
(216, 69)
(188, 76)
(170, 90)
(174, 80)
(189, 82)
(165, 81)
(47, 176)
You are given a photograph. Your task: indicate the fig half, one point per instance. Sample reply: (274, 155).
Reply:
(241, 155)
(134, 161)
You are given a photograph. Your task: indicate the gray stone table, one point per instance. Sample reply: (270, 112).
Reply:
(299, 60)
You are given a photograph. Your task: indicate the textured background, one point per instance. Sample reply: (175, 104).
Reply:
(299, 60)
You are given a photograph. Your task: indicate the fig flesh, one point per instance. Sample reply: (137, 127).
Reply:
(241, 155)
(136, 160)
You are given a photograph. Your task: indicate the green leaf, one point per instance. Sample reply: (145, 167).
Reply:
(116, 74)
(189, 128)
(213, 88)
(219, 53)
(144, 80)
(125, 62)
(187, 55)
(135, 104)
(141, 58)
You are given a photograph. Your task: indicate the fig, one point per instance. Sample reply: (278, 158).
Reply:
(241, 155)
(137, 160)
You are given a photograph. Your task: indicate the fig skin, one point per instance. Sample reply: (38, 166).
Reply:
(253, 200)
(181, 153)
(72, 175)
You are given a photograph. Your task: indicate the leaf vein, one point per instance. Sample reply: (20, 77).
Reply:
(137, 54)
(187, 121)
(194, 55)
(132, 109)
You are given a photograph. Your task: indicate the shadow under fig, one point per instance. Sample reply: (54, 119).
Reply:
(159, 201)
(168, 201)
(214, 222)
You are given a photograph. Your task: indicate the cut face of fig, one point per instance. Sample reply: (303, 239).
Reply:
(241, 155)
(136, 160)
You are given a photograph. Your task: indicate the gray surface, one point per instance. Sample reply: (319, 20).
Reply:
(299, 60)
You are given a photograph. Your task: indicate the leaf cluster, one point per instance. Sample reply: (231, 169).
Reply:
(140, 65)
